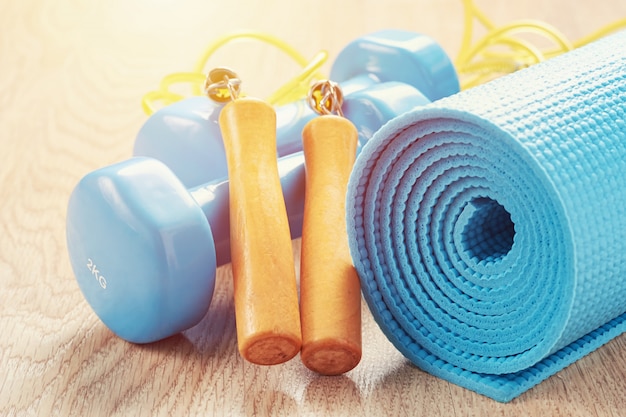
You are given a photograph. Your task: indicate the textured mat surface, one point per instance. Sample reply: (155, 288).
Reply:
(489, 228)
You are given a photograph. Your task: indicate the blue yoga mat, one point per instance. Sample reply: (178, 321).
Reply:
(489, 228)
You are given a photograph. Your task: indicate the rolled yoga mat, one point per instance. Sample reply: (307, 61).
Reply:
(489, 228)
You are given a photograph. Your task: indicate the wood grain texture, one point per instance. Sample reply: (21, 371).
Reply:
(72, 73)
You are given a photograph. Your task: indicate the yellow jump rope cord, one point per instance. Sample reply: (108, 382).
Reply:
(501, 51)
(498, 52)
(294, 89)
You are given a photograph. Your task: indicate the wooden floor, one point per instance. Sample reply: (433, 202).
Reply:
(72, 73)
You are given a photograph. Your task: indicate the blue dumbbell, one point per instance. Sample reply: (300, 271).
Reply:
(144, 249)
(185, 135)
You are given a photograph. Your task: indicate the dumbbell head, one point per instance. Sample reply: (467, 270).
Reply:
(185, 135)
(371, 108)
(141, 249)
(396, 55)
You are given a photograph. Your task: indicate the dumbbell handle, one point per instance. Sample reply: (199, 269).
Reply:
(213, 199)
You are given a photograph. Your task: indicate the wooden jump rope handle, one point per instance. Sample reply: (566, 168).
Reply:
(265, 289)
(330, 292)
